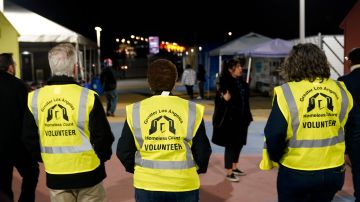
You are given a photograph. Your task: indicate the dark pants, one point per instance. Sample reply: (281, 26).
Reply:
(309, 186)
(28, 169)
(201, 88)
(190, 91)
(232, 155)
(111, 100)
(161, 196)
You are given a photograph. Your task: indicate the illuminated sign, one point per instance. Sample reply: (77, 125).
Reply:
(153, 44)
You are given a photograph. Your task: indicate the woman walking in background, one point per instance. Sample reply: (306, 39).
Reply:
(232, 115)
(188, 79)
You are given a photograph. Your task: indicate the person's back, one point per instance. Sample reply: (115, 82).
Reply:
(71, 133)
(13, 93)
(164, 141)
(189, 76)
(12, 151)
(305, 132)
(108, 79)
(188, 79)
(352, 83)
(352, 80)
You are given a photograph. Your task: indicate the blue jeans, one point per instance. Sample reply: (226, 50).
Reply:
(161, 196)
(111, 100)
(309, 186)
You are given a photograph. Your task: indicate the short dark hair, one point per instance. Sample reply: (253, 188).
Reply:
(305, 61)
(162, 75)
(6, 60)
(354, 56)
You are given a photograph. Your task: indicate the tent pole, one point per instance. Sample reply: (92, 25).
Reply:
(219, 64)
(85, 65)
(248, 71)
(78, 59)
(208, 65)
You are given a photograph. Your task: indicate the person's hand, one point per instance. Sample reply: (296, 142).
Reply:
(226, 96)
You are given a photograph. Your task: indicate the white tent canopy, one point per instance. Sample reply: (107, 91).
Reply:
(249, 40)
(35, 28)
(239, 44)
(275, 48)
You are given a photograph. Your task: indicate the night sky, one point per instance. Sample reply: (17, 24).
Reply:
(187, 23)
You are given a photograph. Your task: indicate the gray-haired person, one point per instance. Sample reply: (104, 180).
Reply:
(67, 129)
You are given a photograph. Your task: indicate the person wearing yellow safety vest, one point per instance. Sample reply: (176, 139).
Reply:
(305, 130)
(67, 125)
(164, 141)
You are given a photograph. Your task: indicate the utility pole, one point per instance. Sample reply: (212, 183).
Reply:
(302, 21)
(98, 30)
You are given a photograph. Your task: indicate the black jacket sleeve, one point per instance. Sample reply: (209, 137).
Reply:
(126, 149)
(101, 136)
(30, 135)
(275, 133)
(201, 149)
(352, 141)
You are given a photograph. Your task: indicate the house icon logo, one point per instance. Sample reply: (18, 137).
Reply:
(162, 124)
(321, 101)
(57, 112)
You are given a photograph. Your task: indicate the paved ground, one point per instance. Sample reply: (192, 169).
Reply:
(256, 186)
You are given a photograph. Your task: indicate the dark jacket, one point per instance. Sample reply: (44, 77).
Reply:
(352, 83)
(108, 79)
(231, 118)
(200, 148)
(200, 74)
(101, 138)
(13, 103)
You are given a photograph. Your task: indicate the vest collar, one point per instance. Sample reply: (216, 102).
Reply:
(165, 93)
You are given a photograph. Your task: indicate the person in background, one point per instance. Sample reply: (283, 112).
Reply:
(188, 79)
(200, 76)
(232, 115)
(65, 127)
(108, 81)
(305, 129)
(164, 141)
(13, 152)
(352, 83)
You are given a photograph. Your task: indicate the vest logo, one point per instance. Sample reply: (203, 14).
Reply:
(321, 101)
(57, 112)
(160, 124)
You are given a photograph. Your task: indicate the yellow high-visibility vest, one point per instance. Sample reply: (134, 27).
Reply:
(63, 123)
(316, 113)
(163, 129)
(266, 163)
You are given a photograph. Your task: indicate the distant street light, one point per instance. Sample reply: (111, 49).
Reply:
(98, 30)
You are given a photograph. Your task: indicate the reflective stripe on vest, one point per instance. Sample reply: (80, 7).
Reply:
(294, 143)
(189, 163)
(86, 145)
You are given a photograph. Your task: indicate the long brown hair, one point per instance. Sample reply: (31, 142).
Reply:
(305, 62)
